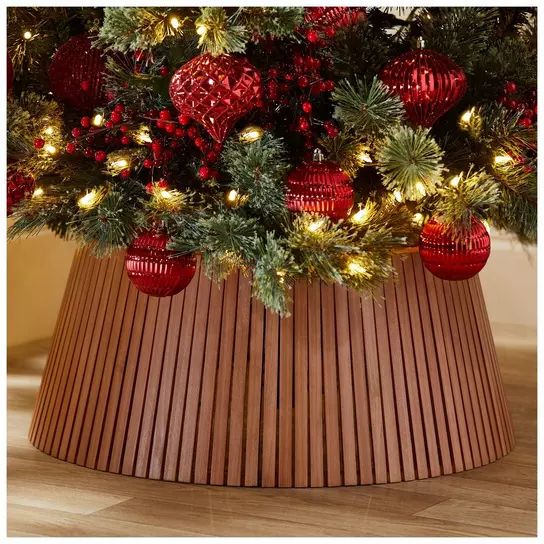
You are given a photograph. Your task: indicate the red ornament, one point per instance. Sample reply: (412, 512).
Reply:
(453, 259)
(319, 187)
(76, 63)
(19, 188)
(216, 91)
(428, 83)
(155, 270)
(323, 18)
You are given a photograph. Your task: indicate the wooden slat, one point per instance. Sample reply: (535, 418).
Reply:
(315, 381)
(401, 402)
(254, 394)
(223, 385)
(345, 383)
(302, 437)
(238, 390)
(360, 390)
(270, 400)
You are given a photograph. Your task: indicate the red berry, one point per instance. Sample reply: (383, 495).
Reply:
(88, 152)
(303, 124)
(303, 81)
(332, 132)
(211, 156)
(306, 107)
(330, 32)
(204, 172)
(109, 139)
(512, 104)
(124, 128)
(100, 156)
(125, 174)
(273, 73)
(164, 115)
(184, 119)
(192, 132)
(510, 87)
(85, 122)
(199, 142)
(162, 184)
(156, 145)
(153, 113)
(39, 143)
(160, 124)
(70, 148)
(170, 128)
(109, 124)
(148, 163)
(125, 140)
(525, 122)
(179, 132)
(116, 117)
(164, 71)
(85, 85)
(119, 108)
(76, 132)
(312, 36)
(328, 85)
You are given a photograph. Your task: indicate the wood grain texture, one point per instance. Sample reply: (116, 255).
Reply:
(209, 387)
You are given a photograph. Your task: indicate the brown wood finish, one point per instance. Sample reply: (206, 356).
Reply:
(209, 387)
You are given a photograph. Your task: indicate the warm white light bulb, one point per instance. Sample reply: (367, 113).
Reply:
(360, 216)
(232, 195)
(51, 149)
(37, 192)
(417, 218)
(201, 30)
(314, 226)
(503, 159)
(420, 188)
(251, 134)
(455, 181)
(356, 268)
(88, 200)
(27, 35)
(121, 163)
(49, 130)
(363, 156)
(165, 194)
(98, 119)
(397, 195)
(467, 115)
(174, 22)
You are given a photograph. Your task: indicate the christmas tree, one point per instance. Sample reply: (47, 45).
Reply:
(289, 142)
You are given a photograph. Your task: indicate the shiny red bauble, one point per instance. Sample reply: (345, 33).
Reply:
(216, 91)
(320, 187)
(452, 258)
(427, 82)
(19, 187)
(74, 63)
(155, 270)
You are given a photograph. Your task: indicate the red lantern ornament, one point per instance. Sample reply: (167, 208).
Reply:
(319, 187)
(76, 63)
(216, 91)
(323, 18)
(19, 188)
(155, 270)
(427, 82)
(451, 258)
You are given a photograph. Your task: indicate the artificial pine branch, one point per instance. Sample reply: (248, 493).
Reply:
(219, 33)
(368, 110)
(273, 22)
(410, 161)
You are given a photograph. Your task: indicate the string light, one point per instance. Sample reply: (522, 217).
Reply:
(165, 194)
(360, 216)
(503, 159)
(418, 218)
(467, 116)
(142, 135)
(232, 196)
(314, 226)
(201, 30)
(281, 275)
(27, 35)
(98, 119)
(363, 157)
(51, 149)
(420, 188)
(397, 195)
(121, 163)
(454, 182)
(355, 267)
(251, 134)
(49, 130)
(37, 192)
(174, 22)
(89, 200)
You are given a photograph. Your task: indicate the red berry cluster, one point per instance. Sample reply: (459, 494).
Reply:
(19, 187)
(304, 80)
(323, 22)
(513, 99)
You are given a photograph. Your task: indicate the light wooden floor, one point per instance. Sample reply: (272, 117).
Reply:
(47, 497)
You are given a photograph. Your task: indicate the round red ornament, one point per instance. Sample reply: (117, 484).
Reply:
(19, 187)
(74, 63)
(155, 270)
(427, 82)
(216, 91)
(451, 258)
(319, 187)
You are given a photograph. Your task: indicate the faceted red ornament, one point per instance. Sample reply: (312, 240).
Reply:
(320, 187)
(19, 187)
(216, 91)
(74, 63)
(333, 17)
(453, 259)
(155, 270)
(428, 83)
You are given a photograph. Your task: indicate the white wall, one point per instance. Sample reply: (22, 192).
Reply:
(38, 267)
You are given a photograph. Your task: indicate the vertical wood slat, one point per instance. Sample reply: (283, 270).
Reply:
(209, 387)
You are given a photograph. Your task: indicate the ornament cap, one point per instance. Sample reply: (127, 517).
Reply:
(318, 155)
(420, 44)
